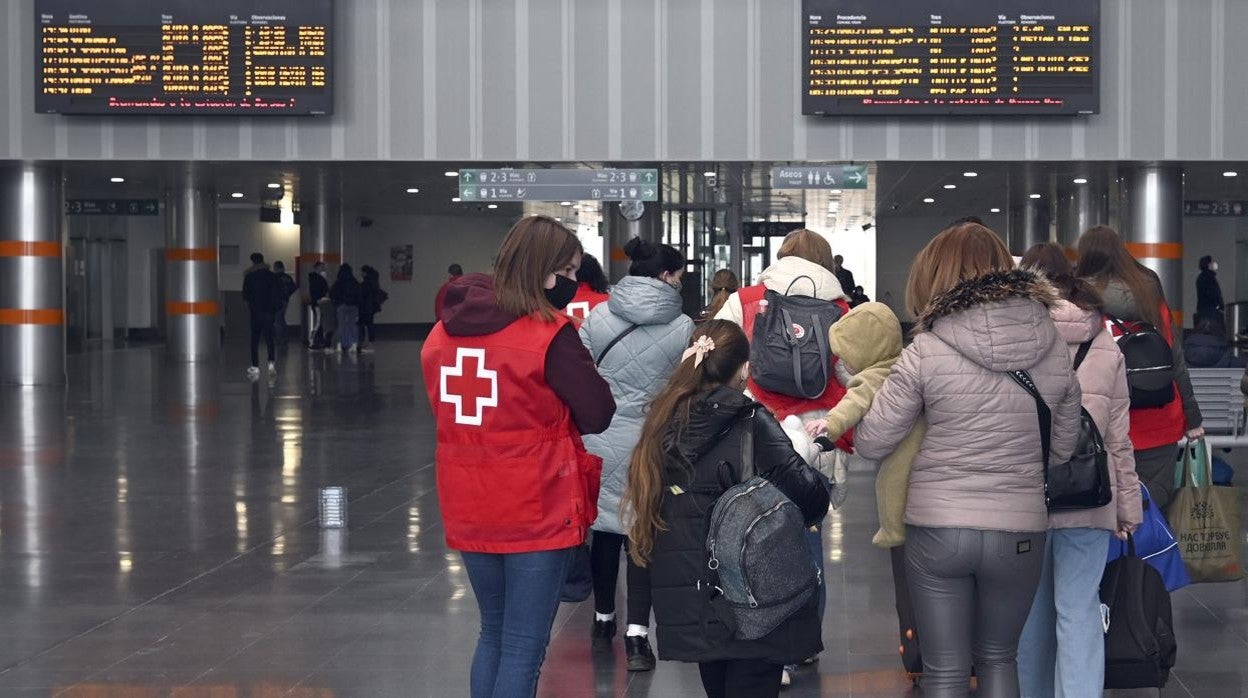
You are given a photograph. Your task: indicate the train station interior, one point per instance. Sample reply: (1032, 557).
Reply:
(171, 525)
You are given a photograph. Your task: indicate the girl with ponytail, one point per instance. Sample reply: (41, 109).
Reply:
(689, 453)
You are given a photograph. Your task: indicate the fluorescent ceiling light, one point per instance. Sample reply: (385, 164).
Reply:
(275, 185)
(1230, 173)
(1034, 196)
(413, 190)
(117, 180)
(994, 210)
(929, 200)
(970, 174)
(1081, 180)
(237, 195)
(492, 206)
(709, 173)
(451, 173)
(455, 200)
(951, 186)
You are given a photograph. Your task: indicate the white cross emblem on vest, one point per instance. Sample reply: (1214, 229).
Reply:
(580, 310)
(478, 387)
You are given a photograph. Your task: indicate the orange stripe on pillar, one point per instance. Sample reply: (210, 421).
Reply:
(196, 308)
(1156, 250)
(191, 254)
(327, 257)
(22, 316)
(29, 248)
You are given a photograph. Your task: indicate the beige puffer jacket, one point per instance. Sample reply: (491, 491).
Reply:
(1103, 380)
(980, 463)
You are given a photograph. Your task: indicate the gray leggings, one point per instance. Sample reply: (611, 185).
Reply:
(972, 591)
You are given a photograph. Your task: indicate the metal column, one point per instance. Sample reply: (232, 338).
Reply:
(1029, 224)
(320, 237)
(1153, 224)
(1080, 207)
(193, 305)
(32, 275)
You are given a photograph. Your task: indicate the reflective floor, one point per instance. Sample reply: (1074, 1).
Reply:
(158, 536)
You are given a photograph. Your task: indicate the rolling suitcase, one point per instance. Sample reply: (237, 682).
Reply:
(911, 659)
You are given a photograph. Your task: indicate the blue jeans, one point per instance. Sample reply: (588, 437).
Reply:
(518, 595)
(1061, 653)
(348, 330)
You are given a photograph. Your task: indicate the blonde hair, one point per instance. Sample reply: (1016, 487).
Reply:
(810, 246)
(961, 252)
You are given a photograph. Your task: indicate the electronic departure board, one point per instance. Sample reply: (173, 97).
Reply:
(1028, 57)
(183, 56)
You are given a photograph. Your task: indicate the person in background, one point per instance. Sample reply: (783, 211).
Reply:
(723, 284)
(845, 276)
(516, 487)
(261, 291)
(1208, 347)
(1209, 302)
(346, 295)
(804, 267)
(288, 287)
(688, 455)
(636, 338)
(372, 297)
(1062, 649)
(318, 290)
(592, 289)
(975, 510)
(454, 272)
(1132, 293)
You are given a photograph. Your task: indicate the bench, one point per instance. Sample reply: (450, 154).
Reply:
(1221, 405)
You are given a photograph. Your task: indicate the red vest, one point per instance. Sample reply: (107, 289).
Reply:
(513, 474)
(1158, 426)
(585, 300)
(784, 405)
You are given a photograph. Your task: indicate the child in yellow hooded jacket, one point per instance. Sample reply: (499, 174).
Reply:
(868, 342)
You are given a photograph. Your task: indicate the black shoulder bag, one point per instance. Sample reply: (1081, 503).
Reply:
(611, 345)
(1083, 481)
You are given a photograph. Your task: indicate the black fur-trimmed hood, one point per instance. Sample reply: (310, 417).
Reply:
(990, 288)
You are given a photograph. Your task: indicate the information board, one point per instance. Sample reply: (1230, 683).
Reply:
(938, 57)
(183, 57)
(817, 177)
(559, 185)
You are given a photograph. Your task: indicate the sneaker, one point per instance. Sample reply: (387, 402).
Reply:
(603, 630)
(640, 657)
(810, 660)
(786, 677)
(253, 372)
(272, 368)
(368, 350)
(352, 351)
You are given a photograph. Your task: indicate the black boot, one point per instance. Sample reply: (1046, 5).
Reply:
(604, 630)
(640, 658)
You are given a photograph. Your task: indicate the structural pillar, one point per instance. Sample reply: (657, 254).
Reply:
(618, 229)
(1080, 207)
(32, 275)
(1153, 224)
(193, 305)
(1029, 224)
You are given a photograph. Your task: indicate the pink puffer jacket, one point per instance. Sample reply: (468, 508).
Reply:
(980, 463)
(1103, 380)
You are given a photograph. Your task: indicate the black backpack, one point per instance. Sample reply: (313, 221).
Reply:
(1140, 646)
(1150, 364)
(789, 352)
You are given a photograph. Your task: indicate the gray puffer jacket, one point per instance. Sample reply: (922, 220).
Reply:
(980, 462)
(636, 368)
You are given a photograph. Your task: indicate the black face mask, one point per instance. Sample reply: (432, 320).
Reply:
(563, 292)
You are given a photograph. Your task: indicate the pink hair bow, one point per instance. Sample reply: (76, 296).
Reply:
(701, 347)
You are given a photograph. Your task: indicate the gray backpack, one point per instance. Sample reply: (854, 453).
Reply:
(758, 550)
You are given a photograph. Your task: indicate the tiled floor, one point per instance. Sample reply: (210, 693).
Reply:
(158, 537)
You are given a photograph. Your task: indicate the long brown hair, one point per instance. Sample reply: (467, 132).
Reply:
(1103, 257)
(723, 285)
(960, 252)
(535, 248)
(1049, 259)
(808, 245)
(670, 410)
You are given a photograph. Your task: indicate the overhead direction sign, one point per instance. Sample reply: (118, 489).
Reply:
(559, 185)
(112, 207)
(819, 177)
